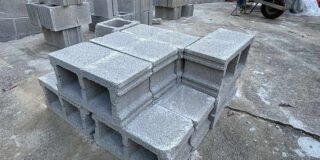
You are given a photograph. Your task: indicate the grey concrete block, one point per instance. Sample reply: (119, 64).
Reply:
(24, 27)
(61, 2)
(199, 134)
(162, 56)
(109, 139)
(126, 15)
(163, 132)
(146, 17)
(121, 94)
(48, 83)
(68, 63)
(7, 29)
(113, 25)
(58, 18)
(95, 20)
(64, 38)
(32, 9)
(220, 46)
(180, 40)
(187, 10)
(105, 8)
(168, 13)
(134, 151)
(88, 123)
(188, 103)
(72, 114)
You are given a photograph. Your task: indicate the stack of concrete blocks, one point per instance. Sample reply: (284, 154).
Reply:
(113, 25)
(173, 9)
(60, 20)
(124, 90)
(103, 10)
(14, 21)
(138, 10)
(221, 57)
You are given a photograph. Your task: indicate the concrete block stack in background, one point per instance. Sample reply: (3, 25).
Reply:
(139, 10)
(113, 25)
(60, 20)
(145, 92)
(172, 9)
(14, 21)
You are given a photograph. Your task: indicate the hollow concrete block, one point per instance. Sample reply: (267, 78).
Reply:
(168, 13)
(58, 18)
(164, 133)
(95, 20)
(187, 10)
(113, 25)
(64, 38)
(105, 8)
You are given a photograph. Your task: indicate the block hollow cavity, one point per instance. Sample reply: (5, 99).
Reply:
(97, 97)
(53, 100)
(137, 152)
(72, 114)
(69, 82)
(231, 67)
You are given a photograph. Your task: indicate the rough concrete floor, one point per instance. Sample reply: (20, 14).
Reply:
(283, 67)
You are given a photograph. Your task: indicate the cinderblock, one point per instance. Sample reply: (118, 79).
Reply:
(164, 133)
(105, 8)
(58, 18)
(64, 38)
(48, 83)
(113, 25)
(187, 10)
(189, 103)
(168, 13)
(126, 15)
(161, 55)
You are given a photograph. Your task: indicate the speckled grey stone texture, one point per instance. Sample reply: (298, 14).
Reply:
(189, 103)
(57, 18)
(125, 83)
(163, 131)
(220, 46)
(113, 25)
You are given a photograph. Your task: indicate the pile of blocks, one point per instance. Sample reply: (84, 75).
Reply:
(138, 10)
(173, 9)
(144, 92)
(60, 20)
(103, 10)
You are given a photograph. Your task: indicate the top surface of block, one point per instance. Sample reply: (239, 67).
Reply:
(221, 45)
(118, 23)
(177, 39)
(188, 102)
(151, 51)
(117, 69)
(160, 128)
(80, 55)
(50, 80)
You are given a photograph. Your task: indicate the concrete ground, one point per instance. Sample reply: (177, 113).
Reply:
(275, 114)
